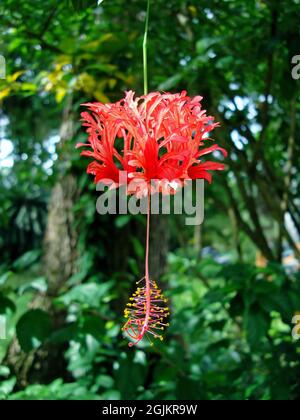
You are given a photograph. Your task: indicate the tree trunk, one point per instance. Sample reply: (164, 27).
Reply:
(61, 237)
(159, 245)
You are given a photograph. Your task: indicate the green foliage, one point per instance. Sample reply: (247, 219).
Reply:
(229, 338)
(33, 329)
(230, 327)
(83, 4)
(57, 390)
(90, 295)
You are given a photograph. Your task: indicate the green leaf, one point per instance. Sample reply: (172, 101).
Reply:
(129, 376)
(112, 394)
(189, 389)
(122, 221)
(89, 294)
(171, 82)
(33, 328)
(6, 303)
(65, 334)
(93, 325)
(83, 4)
(27, 260)
(256, 327)
(105, 381)
(4, 371)
(6, 387)
(5, 277)
(138, 247)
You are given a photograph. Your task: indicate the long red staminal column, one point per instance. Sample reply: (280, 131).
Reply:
(146, 311)
(148, 300)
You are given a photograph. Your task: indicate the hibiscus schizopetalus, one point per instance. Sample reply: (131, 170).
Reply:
(159, 141)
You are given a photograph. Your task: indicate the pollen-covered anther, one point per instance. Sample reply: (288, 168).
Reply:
(146, 314)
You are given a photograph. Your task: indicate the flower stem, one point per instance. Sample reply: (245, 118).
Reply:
(145, 54)
(147, 274)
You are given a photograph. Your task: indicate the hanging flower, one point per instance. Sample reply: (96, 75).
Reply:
(157, 137)
(159, 141)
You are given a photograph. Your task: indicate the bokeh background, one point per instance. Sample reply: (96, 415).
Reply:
(66, 273)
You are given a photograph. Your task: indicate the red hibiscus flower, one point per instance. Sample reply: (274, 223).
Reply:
(157, 137)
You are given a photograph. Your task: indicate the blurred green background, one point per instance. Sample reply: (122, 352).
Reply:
(66, 273)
